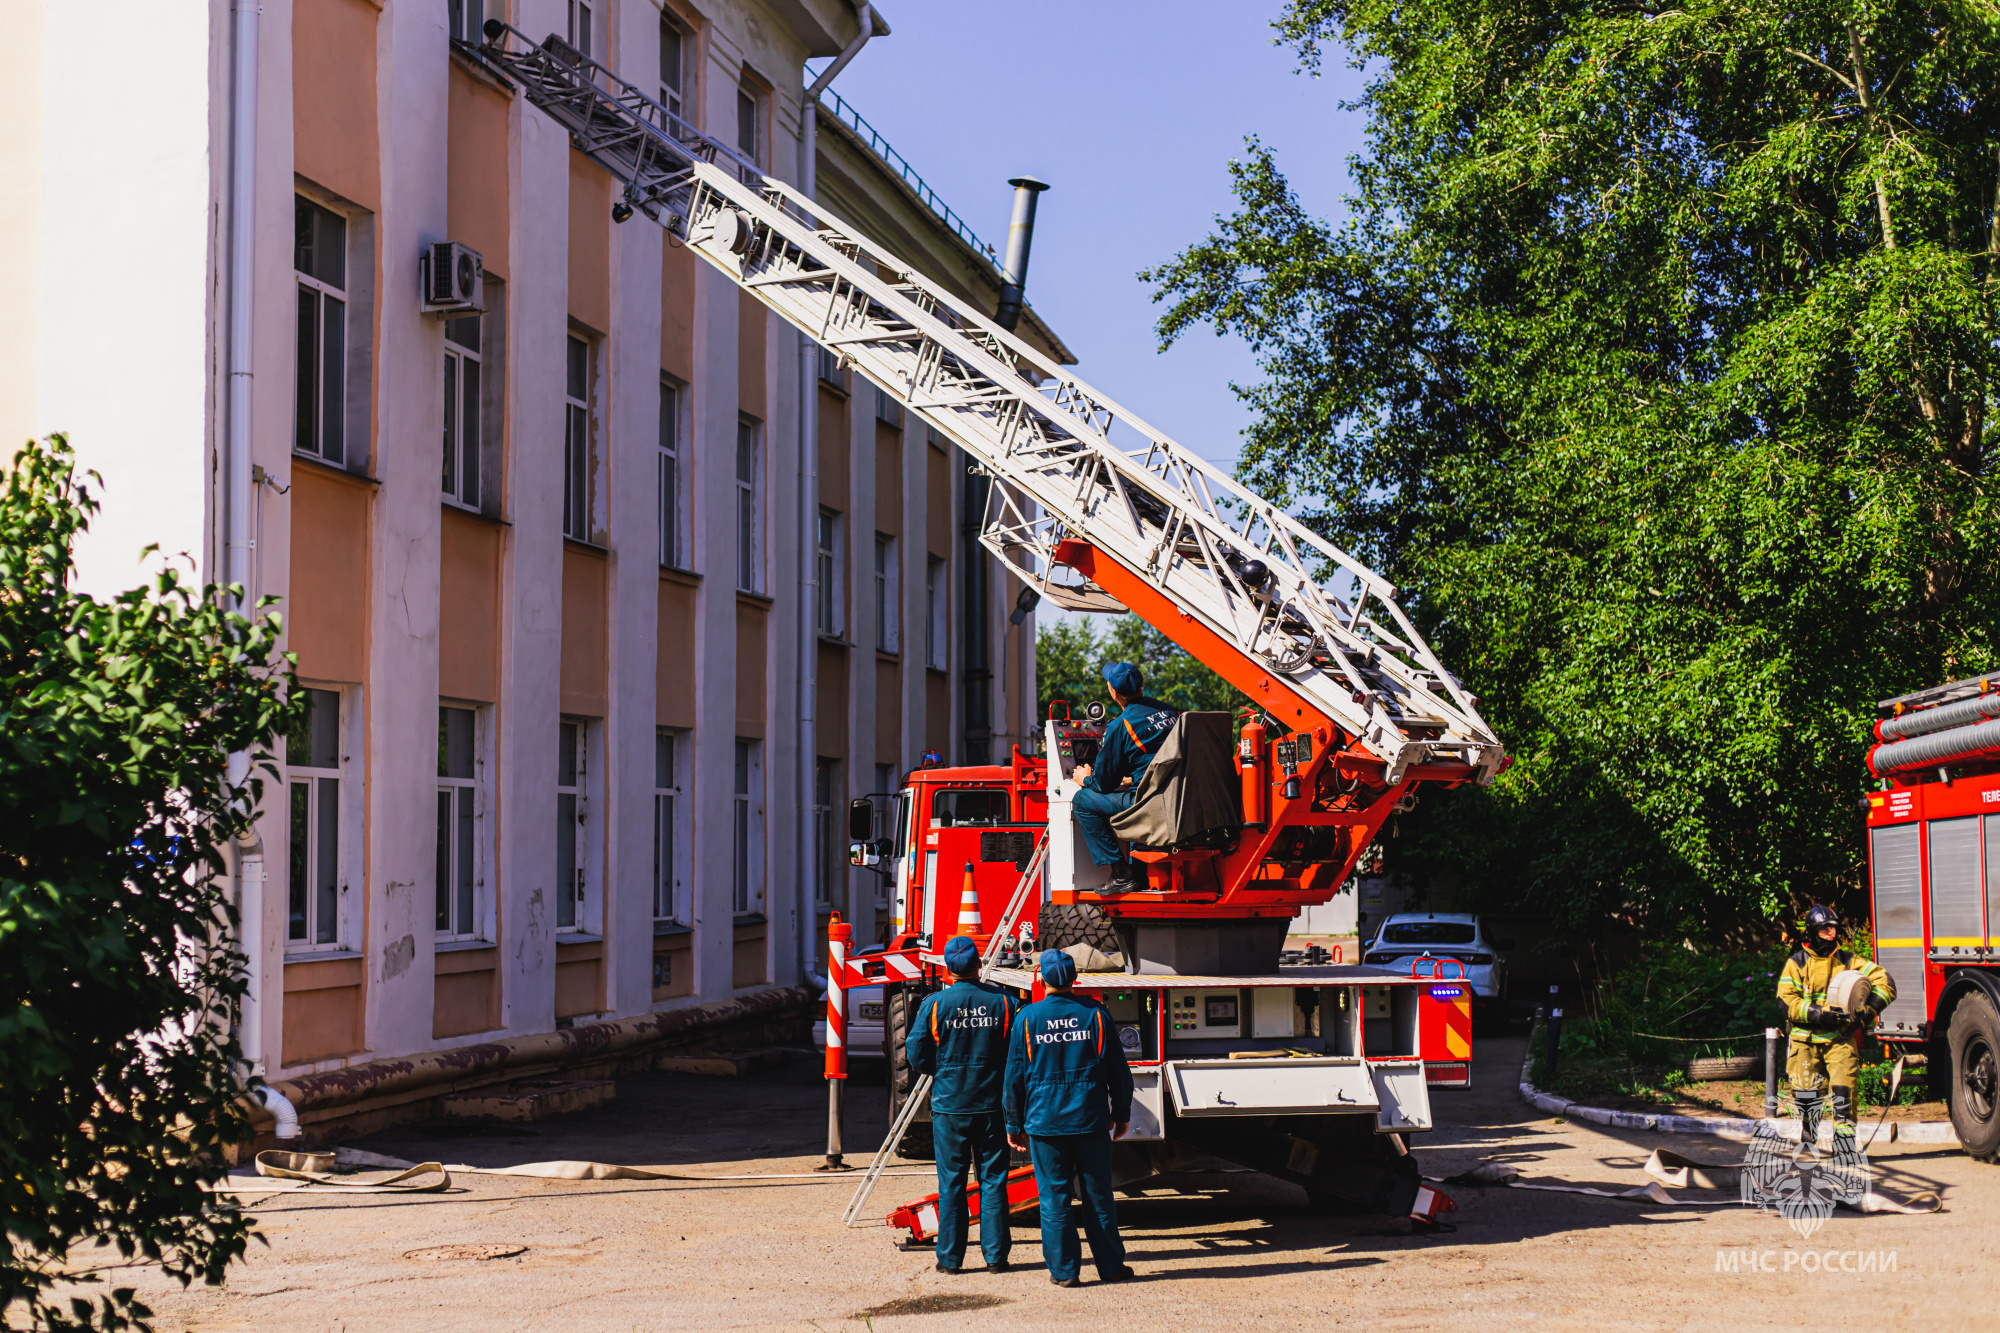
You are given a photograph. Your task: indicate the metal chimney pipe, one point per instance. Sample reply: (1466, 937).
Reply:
(1020, 236)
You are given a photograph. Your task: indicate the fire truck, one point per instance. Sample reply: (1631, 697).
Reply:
(1934, 885)
(1312, 1073)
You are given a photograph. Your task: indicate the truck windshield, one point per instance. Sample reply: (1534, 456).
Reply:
(1427, 932)
(964, 809)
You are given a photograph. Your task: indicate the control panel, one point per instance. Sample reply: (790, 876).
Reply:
(1071, 742)
(1205, 1013)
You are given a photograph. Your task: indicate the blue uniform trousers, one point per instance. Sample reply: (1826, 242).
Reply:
(961, 1141)
(1082, 1160)
(1093, 811)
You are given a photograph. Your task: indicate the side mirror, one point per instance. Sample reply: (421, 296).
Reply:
(861, 820)
(862, 854)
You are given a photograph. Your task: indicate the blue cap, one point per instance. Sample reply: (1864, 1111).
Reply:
(1058, 968)
(961, 956)
(1124, 678)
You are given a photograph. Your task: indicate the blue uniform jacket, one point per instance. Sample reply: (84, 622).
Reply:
(1066, 1072)
(960, 1040)
(1130, 741)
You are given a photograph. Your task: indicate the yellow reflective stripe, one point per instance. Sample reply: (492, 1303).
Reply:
(1974, 940)
(934, 1035)
(1900, 944)
(1134, 735)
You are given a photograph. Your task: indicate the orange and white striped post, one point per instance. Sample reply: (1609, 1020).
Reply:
(838, 935)
(968, 905)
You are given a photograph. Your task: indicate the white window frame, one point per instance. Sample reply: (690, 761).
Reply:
(752, 104)
(673, 830)
(324, 894)
(888, 593)
(746, 850)
(829, 570)
(467, 17)
(671, 482)
(579, 431)
(326, 296)
(937, 622)
(749, 475)
(464, 375)
(581, 28)
(577, 898)
(462, 852)
(677, 84)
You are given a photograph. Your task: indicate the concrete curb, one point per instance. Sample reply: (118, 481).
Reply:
(1925, 1131)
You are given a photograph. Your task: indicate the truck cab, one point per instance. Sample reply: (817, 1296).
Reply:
(1934, 892)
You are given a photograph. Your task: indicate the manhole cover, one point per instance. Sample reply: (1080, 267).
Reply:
(488, 1251)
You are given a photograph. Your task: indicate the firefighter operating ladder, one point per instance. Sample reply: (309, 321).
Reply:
(1292, 605)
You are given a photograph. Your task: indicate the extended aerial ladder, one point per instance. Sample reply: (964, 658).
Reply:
(1300, 626)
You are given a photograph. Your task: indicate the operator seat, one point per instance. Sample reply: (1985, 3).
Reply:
(1190, 796)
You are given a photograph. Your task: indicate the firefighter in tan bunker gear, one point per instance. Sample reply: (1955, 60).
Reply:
(1825, 1052)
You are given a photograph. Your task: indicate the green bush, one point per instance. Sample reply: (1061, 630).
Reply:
(117, 987)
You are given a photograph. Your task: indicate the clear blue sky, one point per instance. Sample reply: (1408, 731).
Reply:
(1131, 111)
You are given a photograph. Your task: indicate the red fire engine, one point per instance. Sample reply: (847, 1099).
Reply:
(1934, 879)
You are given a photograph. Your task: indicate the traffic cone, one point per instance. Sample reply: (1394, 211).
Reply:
(968, 906)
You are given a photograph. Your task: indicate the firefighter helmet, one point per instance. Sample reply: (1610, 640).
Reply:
(1819, 916)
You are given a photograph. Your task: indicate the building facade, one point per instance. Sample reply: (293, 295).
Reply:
(590, 687)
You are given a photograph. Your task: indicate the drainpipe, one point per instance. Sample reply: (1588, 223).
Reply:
(1020, 235)
(238, 544)
(809, 522)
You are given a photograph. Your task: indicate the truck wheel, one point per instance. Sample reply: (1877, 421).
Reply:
(899, 1011)
(1063, 924)
(1975, 1076)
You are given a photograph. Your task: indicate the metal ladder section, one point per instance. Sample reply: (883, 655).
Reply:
(920, 1091)
(1291, 603)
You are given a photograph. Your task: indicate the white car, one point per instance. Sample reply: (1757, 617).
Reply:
(1407, 939)
(865, 1017)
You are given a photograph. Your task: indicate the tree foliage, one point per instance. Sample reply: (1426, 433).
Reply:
(1070, 655)
(1656, 353)
(116, 983)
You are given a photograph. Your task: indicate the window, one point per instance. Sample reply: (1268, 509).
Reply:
(576, 442)
(888, 621)
(746, 861)
(827, 858)
(936, 634)
(750, 124)
(572, 859)
(669, 840)
(982, 807)
(467, 18)
(458, 842)
(826, 572)
(830, 371)
(670, 475)
(461, 411)
(676, 69)
(319, 259)
(887, 409)
(749, 516)
(579, 26)
(312, 790)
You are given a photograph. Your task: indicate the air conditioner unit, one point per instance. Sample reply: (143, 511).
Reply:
(453, 279)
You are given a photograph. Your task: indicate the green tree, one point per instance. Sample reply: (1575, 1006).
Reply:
(1070, 655)
(1655, 355)
(116, 983)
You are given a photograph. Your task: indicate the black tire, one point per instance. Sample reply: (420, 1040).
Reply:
(1062, 924)
(900, 1005)
(1974, 1039)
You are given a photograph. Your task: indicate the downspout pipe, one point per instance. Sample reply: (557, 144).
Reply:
(808, 525)
(1020, 237)
(238, 546)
